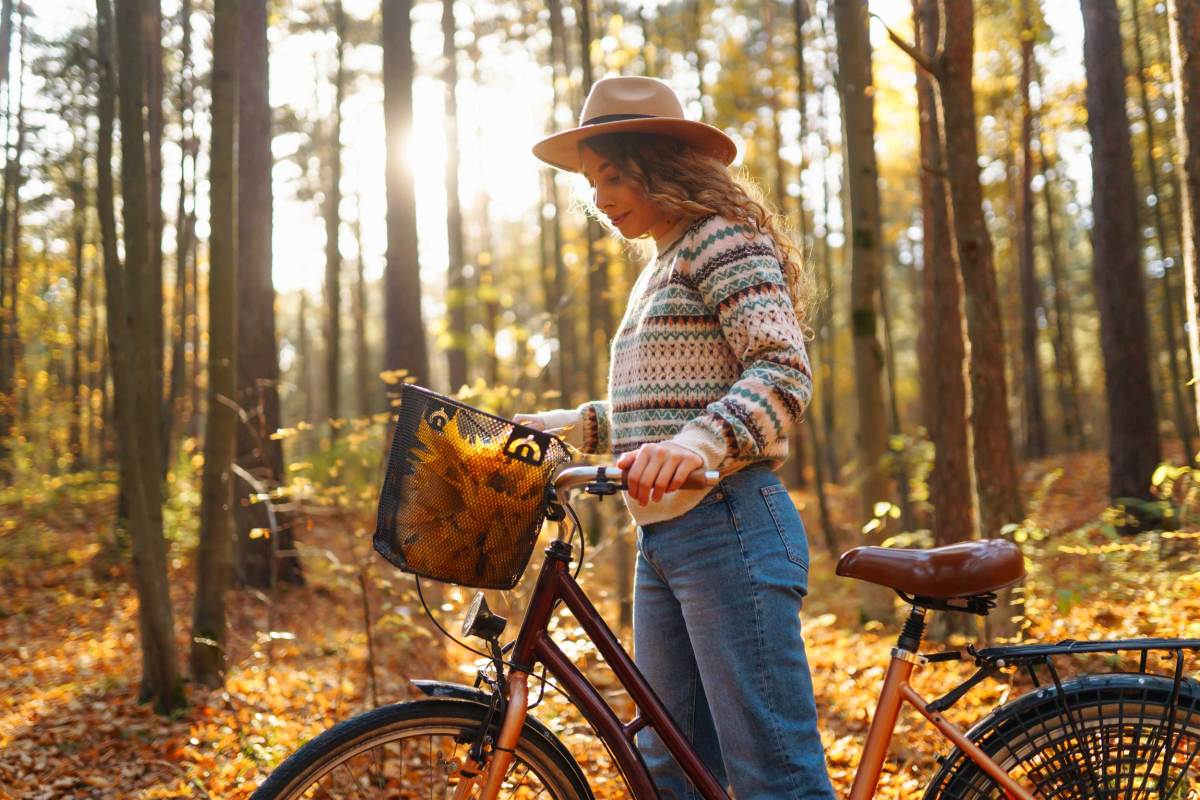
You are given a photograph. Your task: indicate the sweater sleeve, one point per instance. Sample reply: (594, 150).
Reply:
(744, 286)
(595, 427)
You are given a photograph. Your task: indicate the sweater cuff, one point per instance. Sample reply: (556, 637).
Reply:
(568, 418)
(704, 443)
(593, 424)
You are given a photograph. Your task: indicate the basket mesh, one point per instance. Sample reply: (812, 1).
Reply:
(465, 492)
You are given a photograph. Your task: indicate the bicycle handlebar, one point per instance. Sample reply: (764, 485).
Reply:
(573, 477)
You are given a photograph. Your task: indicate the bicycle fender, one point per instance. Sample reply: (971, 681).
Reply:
(458, 691)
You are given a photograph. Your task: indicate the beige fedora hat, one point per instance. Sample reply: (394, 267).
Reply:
(631, 104)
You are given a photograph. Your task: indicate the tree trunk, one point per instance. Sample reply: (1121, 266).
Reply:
(1185, 420)
(1186, 142)
(195, 420)
(10, 277)
(599, 303)
(304, 357)
(995, 464)
(484, 288)
(15, 254)
(362, 364)
(257, 352)
(152, 31)
(95, 390)
(1134, 447)
(183, 234)
(405, 347)
(130, 345)
(1031, 294)
(858, 112)
(828, 354)
(78, 225)
(214, 554)
(456, 299)
(944, 377)
(996, 479)
(1185, 69)
(558, 306)
(333, 221)
(6, 10)
(1066, 364)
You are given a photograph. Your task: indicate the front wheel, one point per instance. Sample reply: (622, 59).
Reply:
(419, 750)
(1113, 737)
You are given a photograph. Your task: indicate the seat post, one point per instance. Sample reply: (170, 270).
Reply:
(914, 629)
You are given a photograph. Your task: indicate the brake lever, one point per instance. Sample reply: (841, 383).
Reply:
(603, 486)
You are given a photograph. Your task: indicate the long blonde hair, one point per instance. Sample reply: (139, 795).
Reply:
(683, 181)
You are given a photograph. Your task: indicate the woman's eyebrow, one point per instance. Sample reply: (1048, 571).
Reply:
(599, 170)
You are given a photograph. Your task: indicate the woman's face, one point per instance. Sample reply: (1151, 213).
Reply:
(620, 199)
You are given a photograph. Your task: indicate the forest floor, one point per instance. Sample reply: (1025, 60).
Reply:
(71, 726)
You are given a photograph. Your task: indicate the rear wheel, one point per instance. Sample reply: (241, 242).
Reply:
(1112, 737)
(418, 750)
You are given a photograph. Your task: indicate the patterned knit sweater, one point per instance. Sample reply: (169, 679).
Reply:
(709, 355)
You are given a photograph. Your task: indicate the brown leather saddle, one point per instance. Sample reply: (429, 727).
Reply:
(964, 570)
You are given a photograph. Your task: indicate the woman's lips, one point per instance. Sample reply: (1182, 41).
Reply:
(617, 220)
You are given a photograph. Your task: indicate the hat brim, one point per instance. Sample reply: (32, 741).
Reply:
(561, 150)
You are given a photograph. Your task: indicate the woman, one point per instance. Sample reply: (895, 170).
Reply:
(708, 370)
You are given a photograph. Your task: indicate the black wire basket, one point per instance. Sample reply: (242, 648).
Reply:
(465, 492)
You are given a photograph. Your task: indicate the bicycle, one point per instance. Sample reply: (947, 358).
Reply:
(1112, 735)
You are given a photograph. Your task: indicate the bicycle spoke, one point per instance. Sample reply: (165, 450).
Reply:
(1183, 774)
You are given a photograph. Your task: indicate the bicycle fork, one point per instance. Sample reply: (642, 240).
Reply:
(497, 767)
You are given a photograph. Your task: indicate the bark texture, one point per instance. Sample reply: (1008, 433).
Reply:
(333, 224)
(992, 448)
(1031, 293)
(456, 293)
(257, 349)
(1133, 444)
(1185, 68)
(945, 374)
(862, 178)
(404, 345)
(130, 337)
(214, 554)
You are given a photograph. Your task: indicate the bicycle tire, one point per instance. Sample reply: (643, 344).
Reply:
(356, 757)
(1112, 744)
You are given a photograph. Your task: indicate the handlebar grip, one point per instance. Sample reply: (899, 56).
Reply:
(701, 479)
(570, 478)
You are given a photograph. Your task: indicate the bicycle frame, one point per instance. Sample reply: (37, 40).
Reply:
(896, 691)
(534, 644)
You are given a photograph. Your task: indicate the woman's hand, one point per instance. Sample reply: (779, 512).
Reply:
(534, 421)
(655, 469)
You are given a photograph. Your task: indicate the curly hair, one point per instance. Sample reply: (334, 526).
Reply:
(686, 182)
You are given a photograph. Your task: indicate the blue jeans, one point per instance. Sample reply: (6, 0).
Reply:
(717, 634)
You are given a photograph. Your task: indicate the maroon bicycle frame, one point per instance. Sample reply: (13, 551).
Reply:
(534, 645)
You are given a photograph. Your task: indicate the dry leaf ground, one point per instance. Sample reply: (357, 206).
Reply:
(70, 726)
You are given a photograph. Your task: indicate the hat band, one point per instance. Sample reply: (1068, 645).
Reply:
(615, 118)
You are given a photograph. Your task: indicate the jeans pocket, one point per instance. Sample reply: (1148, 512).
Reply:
(787, 523)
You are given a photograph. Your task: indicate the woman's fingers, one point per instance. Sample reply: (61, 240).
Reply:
(642, 473)
(682, 462)
(685, 467)
(653, 470)
(530, 421)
